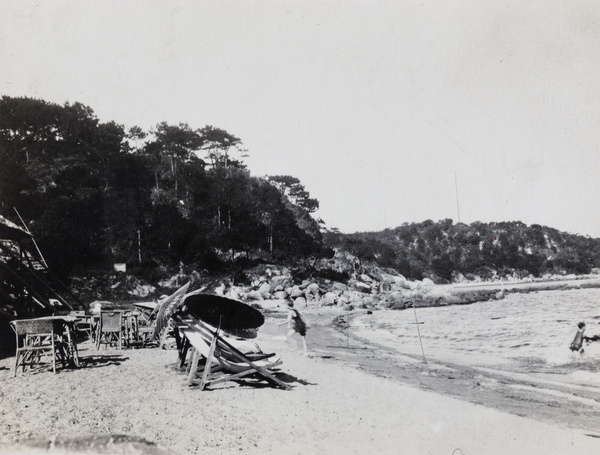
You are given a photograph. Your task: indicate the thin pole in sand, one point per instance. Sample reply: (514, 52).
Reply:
(347, 327)
(347, 342)
(419, 331)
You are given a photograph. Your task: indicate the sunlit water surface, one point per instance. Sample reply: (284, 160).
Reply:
(523, 332)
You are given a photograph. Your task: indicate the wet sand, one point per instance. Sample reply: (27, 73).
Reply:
(569, 401)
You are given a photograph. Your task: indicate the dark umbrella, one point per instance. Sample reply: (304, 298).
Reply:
(230, 315)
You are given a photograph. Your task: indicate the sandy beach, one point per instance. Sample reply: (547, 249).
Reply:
(345, 399)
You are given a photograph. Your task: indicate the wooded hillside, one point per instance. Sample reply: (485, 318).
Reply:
(94, 194)
(444, 251)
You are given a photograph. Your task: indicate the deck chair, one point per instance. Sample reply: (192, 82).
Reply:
(110, 329)
(218, 360)
(247, 347)
(37, 339)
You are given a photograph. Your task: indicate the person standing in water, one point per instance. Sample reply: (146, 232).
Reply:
(297, 324)
(577, 343)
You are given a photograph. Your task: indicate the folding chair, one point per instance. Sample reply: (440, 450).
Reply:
(110, 329)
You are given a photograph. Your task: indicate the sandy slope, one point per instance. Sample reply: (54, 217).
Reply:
(334, 407)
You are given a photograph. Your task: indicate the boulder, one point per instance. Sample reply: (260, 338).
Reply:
(220, 289)
(385, 303)
(428, 283)
(296, 292)
(304, 284)
(280, 295)
(363, 287)
(300, 302)
(440, 297)
(385, 286)
(402, 283)
(416, 294)
(420, 303)
(235, 292)
(387, 278)
(312, 288)
(330, 298)
(356, 300)
(337, 286)
(281, 280)
(400, 306)
(253, 295)
(310, 297)
(343, 299)
(369, 301)
(396, 297)
(265, 290)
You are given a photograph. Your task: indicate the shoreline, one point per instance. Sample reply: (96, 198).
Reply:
(550, 284)
(469, 293)
(350, 395)
(550, 398)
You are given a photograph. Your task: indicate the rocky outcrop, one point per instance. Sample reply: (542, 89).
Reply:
(374, 287)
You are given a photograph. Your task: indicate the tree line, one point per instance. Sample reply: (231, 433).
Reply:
(94, 194)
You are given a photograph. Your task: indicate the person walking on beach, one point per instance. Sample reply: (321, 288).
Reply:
(297, 324)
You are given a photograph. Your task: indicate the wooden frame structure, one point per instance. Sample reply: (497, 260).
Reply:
(26, 282)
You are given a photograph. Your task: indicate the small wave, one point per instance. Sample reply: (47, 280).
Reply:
(520, 345)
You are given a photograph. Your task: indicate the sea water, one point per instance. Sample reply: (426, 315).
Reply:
(524, 332)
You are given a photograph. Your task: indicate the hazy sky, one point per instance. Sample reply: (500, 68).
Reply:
(375, 106)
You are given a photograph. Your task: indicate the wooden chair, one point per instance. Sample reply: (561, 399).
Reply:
(218, 360)
(84, 324)
(110, 329)
(38, 338)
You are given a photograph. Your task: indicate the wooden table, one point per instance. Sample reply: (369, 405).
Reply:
(67, 324)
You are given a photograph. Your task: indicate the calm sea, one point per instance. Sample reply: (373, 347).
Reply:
(523, 332)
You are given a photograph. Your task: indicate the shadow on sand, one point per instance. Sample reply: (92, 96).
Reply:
(101, 360)
(290, 379)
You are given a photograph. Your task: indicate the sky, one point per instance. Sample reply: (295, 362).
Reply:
(387, 111)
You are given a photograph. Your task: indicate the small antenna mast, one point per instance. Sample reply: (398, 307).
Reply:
(456, 188)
